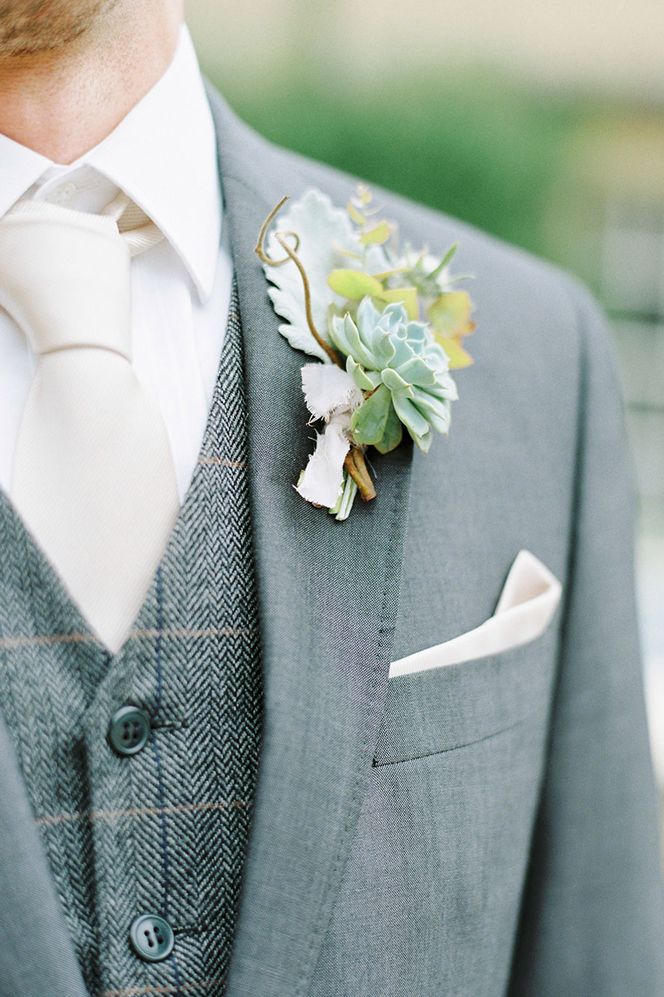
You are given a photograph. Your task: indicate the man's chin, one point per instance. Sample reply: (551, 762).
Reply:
(33, 27)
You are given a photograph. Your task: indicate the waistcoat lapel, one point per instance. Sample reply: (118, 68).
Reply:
(328, 599)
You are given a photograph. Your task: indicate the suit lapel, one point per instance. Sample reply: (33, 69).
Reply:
(328, 600)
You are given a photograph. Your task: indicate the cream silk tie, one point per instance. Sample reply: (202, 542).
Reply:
(93, 475)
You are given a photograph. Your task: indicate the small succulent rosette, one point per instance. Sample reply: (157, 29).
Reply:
(385, 325)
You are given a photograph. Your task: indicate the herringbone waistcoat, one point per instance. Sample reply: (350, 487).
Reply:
(162, 831)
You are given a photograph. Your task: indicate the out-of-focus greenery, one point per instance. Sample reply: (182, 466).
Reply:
(477, 146)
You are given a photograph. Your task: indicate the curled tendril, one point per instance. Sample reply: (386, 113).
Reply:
(260, 251)
(354, 464)
(291, 254)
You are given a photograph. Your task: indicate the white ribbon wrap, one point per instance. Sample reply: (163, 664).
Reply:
(330, 394)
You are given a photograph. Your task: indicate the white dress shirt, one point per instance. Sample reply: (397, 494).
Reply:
(164, 156)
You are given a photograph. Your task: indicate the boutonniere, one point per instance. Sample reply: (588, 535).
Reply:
(386, 325)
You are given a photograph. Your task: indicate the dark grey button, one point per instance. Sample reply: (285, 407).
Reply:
(129, 730)
(151, 938)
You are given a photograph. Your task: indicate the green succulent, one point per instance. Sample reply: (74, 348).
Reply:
(403, 372)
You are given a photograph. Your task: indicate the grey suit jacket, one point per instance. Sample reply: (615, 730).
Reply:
(483, 829)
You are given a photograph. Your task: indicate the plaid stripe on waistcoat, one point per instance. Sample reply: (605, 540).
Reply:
(163, 831)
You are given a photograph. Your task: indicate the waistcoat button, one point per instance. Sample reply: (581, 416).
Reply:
(151, 937)
(129, 730)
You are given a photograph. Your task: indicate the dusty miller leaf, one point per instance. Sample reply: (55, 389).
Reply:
(325, 236)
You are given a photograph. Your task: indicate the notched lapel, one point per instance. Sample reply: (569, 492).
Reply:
(328, 596)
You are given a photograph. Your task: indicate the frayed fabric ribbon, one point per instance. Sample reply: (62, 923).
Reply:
(330, 394)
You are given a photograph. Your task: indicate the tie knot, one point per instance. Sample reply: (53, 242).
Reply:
(65, 278)
(135, 227)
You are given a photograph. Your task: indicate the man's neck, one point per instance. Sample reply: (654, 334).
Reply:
(63, 103)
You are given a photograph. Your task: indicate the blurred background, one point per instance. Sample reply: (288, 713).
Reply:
(540, 122)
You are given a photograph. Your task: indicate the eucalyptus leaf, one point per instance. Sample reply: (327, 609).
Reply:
(457, 355)
(407, 296)
(377, 235)
(355, 214)
(450, 314)
(354, 284)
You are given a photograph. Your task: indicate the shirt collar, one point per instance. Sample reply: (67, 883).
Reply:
(163, 154)
(20, 167)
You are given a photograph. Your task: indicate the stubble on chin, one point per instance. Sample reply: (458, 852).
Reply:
(31, 27)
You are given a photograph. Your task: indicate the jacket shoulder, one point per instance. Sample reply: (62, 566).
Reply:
(531, 306)
(506, 272)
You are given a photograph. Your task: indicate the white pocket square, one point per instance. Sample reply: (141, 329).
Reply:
(525, 608)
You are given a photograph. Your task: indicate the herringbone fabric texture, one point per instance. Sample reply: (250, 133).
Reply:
(163, 831)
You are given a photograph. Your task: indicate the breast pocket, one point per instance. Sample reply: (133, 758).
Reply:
(480, 683)
(446, 708)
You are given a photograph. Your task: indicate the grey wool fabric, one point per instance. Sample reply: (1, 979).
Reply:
(163, 831)
(487, 829)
